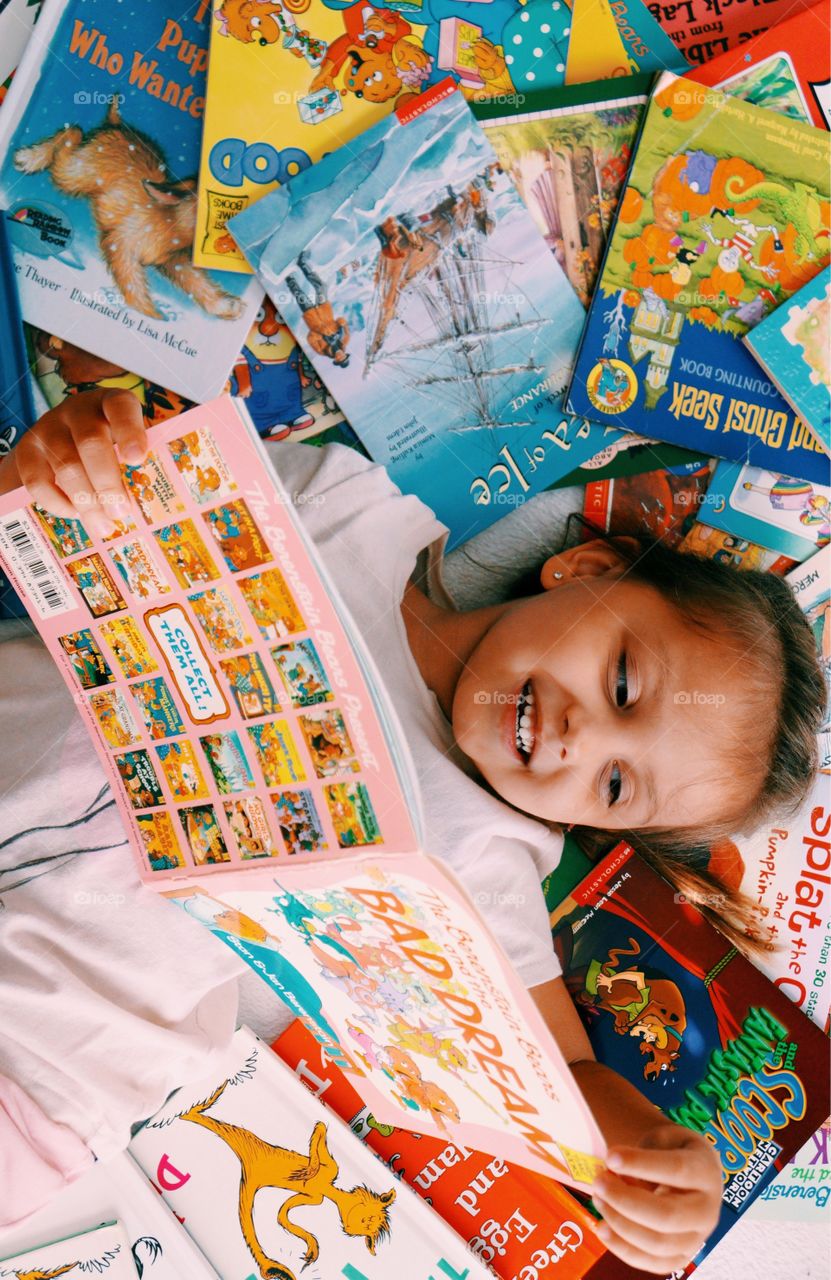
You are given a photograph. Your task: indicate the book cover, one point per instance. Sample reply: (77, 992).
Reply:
(209, 663)
(659, 504)
(725, 215)
(674, 1007)
(419, 288)
(99, 145)
(567, 152)
(269, 1183)
(509, 1219)
(160, 1247)
(703, 29)
(17, 21)
(729, 548)
(611, 38)
(803, 1188)
(793, 346)
(290, 82)
(102, 1250)
(790, 516)
(785, 67)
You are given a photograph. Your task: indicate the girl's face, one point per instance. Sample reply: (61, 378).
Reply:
(597, 703)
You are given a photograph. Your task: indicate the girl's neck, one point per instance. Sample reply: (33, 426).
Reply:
(442, 640)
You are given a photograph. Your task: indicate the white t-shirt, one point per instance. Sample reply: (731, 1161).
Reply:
(369, 536)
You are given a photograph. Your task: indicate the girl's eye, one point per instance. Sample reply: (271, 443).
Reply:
(621, 682)
(614, 783)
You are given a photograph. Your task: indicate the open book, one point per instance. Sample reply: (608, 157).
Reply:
(267, 789)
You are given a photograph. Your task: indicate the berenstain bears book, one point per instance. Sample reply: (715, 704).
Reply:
(567, 152)
(421, 291)
(291, 81)
(674, 1008)
(786, 68)
(267, 788)
(613, 38)
(268, 1183)
(100, 1251)
(513, 1221)
(726, 213)
(160, 1247)
(793, 346)
(99, 145)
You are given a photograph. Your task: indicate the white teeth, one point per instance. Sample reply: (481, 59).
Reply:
(525, 722)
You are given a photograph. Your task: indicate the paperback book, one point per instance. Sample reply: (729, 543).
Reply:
(785, 67)
(288, 83)
(730, 548)
(99, 145)
(724, 216)
(672, 1006)
(793, 346)
(703, 29)
(423, 294)
(567, 152)
(267, 788)
(614, 38)
(659, 504)
(785, 515)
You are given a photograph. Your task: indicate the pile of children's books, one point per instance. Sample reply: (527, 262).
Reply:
(500, 247)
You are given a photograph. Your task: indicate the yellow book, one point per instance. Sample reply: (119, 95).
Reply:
(290, 80)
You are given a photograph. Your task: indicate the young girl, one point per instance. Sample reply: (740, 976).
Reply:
(661, 697)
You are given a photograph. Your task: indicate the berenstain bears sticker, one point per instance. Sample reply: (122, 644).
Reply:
(277, 753)
(203, 834)
(139, 779)
(229, 766)
(223, 627)
(68, 537)
(88, 662)
(186, 553)
(249, 828)
(240, 541)
(272, 604)
(328, 741)
(202, 467)
(92, 578)
(302, 673)
(115, 718)
(131, 653)
(149, 485)
(181, 768)
(158, 708)
(352, 814)
(300, 826)
(250, 685)
(158, 836)
(141, 576)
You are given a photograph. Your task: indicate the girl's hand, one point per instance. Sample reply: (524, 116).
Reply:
(71, 459)
(660, 1200)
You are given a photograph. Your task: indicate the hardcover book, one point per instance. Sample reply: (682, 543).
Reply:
(93, 1252)
(703, 29)
(790, 516)
(724, 216)
(421, 291)
(267, 789)
(290, 82)
(656, 504)
(793, 346)
(567, 152)
(268, 1182)
(785, 67)
(99, 145)
(673, 1007)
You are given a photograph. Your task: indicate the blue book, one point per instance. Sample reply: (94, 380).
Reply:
(421, 290)
(17, 408)
(779, 512)
(99, 147)
(725, 215)
(793, 346)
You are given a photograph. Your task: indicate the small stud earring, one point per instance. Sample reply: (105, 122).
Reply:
(557, 576)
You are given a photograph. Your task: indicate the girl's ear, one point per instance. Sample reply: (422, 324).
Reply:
(593, 559)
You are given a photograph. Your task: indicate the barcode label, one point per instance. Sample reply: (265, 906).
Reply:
(30, 561)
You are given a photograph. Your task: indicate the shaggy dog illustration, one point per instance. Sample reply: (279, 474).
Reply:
(144, 217)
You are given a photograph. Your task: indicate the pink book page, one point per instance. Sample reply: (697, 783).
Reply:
(209, 663)
(397, 977)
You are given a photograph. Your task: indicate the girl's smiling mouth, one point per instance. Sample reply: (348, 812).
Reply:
(525, 722)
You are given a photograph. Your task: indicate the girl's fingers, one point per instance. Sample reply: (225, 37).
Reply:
(129, 434)
(97, 466)
(36, 469)
(686, 1165)
(642, 1259)
(668, 1213)
(657, 1243)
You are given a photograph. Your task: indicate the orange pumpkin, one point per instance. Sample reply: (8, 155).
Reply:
(682, 99)
(631, 206)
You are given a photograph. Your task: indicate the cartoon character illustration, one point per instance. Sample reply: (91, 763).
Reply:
(798, 205)
(310, 1180)
(413, 1091)
(613, 383)
(90, 1265)
(267, 375)
(81, 371)
(787, 494)
(378, 55)
(328, 335)
(145, 218)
